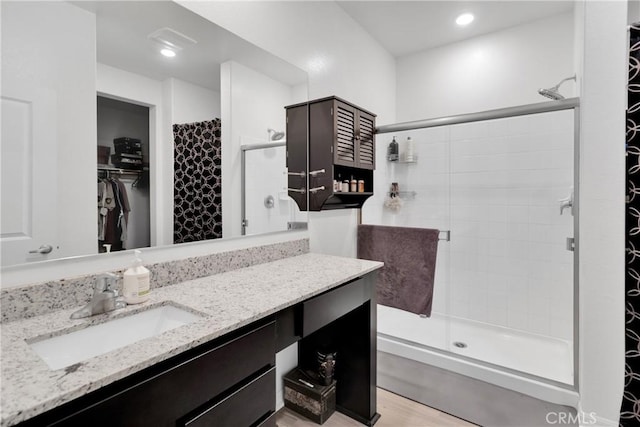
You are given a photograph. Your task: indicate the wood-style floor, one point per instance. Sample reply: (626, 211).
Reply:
(395, 411)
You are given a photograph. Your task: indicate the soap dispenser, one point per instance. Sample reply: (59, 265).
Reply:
(135, 286)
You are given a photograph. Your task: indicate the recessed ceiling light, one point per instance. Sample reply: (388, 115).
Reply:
(464, 19)
(168, 53)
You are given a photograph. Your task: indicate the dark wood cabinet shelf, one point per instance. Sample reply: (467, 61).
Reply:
(337, 139)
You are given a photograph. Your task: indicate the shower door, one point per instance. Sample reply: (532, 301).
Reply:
(512, 287)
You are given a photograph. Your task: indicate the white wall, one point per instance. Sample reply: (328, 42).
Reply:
(340, 58)
(602, 208)
(251, 104)
(496, 70)
(36, 54)
(192, 103)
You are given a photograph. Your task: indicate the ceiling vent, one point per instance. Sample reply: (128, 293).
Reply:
(171, 39)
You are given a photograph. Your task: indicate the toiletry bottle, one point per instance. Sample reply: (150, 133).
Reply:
(353, 187)
(345, 186)
(392, 152)
(337, 185)
(409, 150)
(361, 186)
(135, 286)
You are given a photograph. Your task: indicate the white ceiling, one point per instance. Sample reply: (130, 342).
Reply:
(402, 27)
(405, 27)
(122, 42)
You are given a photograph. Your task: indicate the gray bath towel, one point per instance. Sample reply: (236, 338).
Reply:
(409, 256)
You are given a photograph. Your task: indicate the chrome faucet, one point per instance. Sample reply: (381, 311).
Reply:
(104, 298)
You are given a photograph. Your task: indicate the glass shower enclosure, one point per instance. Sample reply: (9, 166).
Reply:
(501, 187)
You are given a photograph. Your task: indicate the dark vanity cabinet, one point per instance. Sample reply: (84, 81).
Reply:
(231, 382)
(339, 140)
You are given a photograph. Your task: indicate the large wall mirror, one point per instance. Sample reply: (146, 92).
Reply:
(108, 144)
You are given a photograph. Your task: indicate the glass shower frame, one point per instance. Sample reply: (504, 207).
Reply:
(567, 104)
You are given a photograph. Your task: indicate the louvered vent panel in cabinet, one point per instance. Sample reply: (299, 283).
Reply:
(366, 151)
(345, 135)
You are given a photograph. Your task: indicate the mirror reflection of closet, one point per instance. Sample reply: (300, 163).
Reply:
(123, 171)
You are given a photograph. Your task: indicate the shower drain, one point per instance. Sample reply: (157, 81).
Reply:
(460, 344)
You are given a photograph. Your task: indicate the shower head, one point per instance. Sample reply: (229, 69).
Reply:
(276, 135)
(552, 93)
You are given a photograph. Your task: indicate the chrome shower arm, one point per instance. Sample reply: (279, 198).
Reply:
(556, 87)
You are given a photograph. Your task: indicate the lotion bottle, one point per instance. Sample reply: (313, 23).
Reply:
(135, 286)
(409, 155)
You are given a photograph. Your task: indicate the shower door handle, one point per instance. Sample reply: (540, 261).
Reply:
(567, 202)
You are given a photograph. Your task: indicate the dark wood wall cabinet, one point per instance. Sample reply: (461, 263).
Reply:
(339, 140)
(230, 381)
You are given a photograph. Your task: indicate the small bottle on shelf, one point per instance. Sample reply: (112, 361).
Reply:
(392, 151)
(353, 187)
(360, 186)
(345, 186)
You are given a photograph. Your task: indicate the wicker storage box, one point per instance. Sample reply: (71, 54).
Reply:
(316, 403)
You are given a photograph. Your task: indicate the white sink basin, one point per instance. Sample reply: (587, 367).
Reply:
(65, 350)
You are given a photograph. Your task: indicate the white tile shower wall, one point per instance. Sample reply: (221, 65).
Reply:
(496, 186)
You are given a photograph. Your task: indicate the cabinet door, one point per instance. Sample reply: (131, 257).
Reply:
(365, 141)
(297, 144)
(345, 119)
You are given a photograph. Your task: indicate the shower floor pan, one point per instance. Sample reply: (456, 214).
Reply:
(546, 357)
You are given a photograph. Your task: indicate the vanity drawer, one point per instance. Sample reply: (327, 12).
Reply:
(324, 309)
(243, 408)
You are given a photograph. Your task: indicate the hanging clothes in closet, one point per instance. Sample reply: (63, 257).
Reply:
(113, 214)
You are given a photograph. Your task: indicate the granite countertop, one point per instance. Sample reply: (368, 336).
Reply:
(228, 301)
